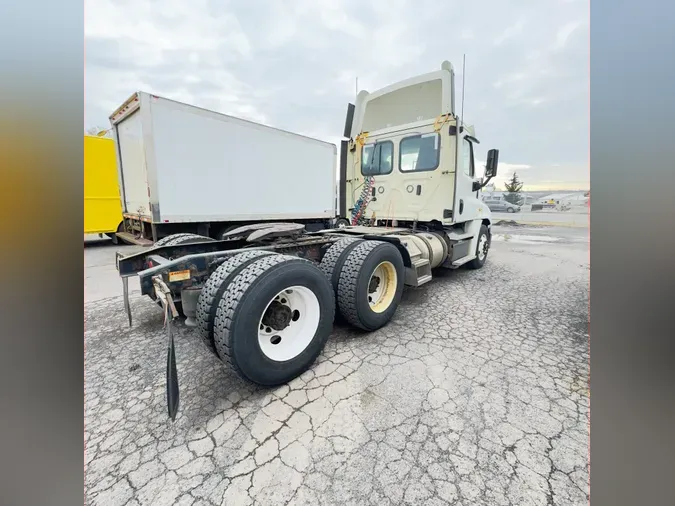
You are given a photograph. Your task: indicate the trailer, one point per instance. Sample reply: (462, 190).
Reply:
(183, 169)
(102, 210)
(262, 298)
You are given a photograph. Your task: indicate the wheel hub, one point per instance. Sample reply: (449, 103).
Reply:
(373, 284)
(278, 316)
(382, 287)
(289, 323)
(483, 247)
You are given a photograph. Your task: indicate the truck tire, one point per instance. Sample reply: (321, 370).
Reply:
(482, 249)
(178, 239)
(333, 260)
(225, 230)
(113, 235)
(214, 288)
(274, 318)
(370, 284)
(164, 240)
(342, 223)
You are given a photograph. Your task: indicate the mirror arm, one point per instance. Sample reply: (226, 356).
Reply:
(484, 183)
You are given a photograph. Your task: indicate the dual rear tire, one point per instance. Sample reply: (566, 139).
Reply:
(266, 315)
(269, 315)
(367, 279)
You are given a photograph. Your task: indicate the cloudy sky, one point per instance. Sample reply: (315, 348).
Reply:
(292, 64)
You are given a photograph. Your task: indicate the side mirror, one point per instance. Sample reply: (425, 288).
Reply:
(492, 162)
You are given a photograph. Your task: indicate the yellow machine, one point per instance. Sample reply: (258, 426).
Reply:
(102, 205)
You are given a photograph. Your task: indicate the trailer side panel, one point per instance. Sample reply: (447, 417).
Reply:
(213, 167)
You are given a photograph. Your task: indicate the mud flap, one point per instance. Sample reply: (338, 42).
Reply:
(172, 391)
(125, 286)
(125, 292)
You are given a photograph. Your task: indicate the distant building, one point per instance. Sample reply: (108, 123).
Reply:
(571, 198)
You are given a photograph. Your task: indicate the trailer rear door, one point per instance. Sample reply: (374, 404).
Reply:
(133, 165)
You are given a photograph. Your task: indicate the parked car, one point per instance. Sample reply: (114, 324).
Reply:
(501, 206)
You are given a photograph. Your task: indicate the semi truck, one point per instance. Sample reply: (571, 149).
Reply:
(184, 169)
(263, 297)
(102, 209)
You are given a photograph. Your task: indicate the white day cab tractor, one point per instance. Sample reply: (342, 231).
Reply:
(263, 299)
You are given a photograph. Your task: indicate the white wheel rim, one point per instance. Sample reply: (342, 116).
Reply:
(281, 344)
(482, 247)
(382, 287)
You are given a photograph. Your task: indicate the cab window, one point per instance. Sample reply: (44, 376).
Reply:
(419, 152)
(376, 159)
(467, 159)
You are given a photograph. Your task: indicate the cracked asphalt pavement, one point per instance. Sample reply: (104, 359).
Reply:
(475, 393)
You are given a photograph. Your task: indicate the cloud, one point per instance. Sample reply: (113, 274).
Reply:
(149, 31)
(170, 48)
(509, 167)
(566, 31)
(510, 32)
(466, 34)
(293, 65)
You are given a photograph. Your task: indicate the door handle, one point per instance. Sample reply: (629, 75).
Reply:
(461, 206)
(419, 189)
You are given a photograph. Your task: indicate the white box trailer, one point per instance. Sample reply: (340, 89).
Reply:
(186, 169)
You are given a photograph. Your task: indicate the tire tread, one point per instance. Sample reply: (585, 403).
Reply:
(349, 276)
(187, 238)
(214, 288)
(330, 259)
(175, 239)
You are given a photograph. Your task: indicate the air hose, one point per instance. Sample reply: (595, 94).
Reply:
(359, 211)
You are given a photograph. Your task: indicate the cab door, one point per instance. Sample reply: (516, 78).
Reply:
(466, 203)
(419, 161)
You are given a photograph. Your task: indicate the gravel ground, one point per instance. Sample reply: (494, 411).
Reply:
(475, 393)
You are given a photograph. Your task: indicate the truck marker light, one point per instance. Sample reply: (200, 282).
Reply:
(179, 275)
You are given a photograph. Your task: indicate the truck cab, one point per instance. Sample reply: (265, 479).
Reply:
(409, 157)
